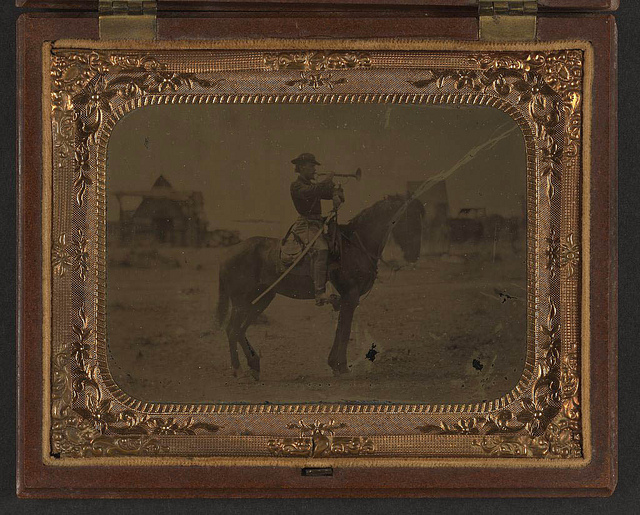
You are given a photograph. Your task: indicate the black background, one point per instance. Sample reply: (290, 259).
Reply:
(623, 501)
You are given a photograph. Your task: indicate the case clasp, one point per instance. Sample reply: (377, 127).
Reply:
(508, 20)
(128, 19)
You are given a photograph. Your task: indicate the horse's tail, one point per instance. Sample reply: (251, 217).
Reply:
(223, 303)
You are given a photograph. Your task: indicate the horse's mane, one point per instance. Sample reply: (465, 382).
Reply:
(371, 213)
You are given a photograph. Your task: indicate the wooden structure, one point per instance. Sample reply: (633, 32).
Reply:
(164, 216)
(435, 236)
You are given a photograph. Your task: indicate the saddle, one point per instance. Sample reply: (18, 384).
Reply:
(292, 245)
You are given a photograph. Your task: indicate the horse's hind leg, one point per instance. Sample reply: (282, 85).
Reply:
(253, 358)
(233, 331)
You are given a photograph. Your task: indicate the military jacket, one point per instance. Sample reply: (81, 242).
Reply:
(306, 196)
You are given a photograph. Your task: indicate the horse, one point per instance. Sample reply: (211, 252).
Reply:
(253, 266)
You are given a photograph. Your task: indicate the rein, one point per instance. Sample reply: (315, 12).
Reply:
(373, 257)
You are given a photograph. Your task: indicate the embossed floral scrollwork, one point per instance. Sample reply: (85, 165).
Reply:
(569, 254)
(318, 440)
(553, 252)
(436, 77)
(550, 163)
(498, 82)
(316, 428)
(61, 257)
(163, 81)
(570, 387)
(71, 71)
(316, 61)
(550, 433)
(565, 254)
(466, 79)
(97, 411)
(66, 256)
(95, 99)
(502, 422)
(533, 92)
(291, 447)
(315, 81)
(536, 412)
(544, 404)
(161, 426)
(88, 427)
(557, 441)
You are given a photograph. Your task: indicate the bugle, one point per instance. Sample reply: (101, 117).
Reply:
(357, 175)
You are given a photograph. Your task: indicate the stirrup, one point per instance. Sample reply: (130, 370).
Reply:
(322, 298)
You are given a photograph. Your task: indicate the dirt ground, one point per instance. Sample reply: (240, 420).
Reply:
(450, 330)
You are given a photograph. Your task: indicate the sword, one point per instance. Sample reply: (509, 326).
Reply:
(296, 260)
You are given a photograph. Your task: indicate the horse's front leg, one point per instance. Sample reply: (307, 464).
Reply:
(338, 355)
(233, 328)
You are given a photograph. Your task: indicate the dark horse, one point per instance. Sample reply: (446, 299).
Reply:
(253, 267)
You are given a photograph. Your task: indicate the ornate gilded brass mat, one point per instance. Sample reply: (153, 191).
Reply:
(102, 339)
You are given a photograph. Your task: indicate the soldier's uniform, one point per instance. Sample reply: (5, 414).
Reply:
(307, 196)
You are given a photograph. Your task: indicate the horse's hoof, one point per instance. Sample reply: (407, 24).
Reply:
(255, 374)
(334, 300)
(340, 370)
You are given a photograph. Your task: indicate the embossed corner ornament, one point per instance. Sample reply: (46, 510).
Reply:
(550, 415)
(546, 425)
(87, 86)
(318, 440)
(86, 422)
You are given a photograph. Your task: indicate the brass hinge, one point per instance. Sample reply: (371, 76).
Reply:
(509, 20)
(127, 19)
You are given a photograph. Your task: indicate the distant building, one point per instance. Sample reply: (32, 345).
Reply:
(435, 228)
(164, 216)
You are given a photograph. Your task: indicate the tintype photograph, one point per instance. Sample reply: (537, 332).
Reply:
(301, 253)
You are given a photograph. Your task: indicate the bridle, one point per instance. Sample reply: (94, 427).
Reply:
(374, 258)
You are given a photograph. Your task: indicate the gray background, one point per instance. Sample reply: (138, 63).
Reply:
(239, 155)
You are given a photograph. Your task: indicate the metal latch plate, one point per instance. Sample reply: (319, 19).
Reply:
(127, 19)
(509, 20)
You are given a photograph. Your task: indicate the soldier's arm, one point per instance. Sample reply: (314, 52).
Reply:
(323, 190)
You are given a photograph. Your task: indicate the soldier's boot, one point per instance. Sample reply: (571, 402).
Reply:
(320, 277)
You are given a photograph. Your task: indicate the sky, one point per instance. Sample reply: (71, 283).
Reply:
(239, 156)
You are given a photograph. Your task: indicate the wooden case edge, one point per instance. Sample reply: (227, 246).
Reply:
(34, 479)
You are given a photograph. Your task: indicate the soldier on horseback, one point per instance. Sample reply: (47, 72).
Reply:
(306, 194)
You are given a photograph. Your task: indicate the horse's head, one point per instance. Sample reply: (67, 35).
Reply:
(395, 218)
(407, 229)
